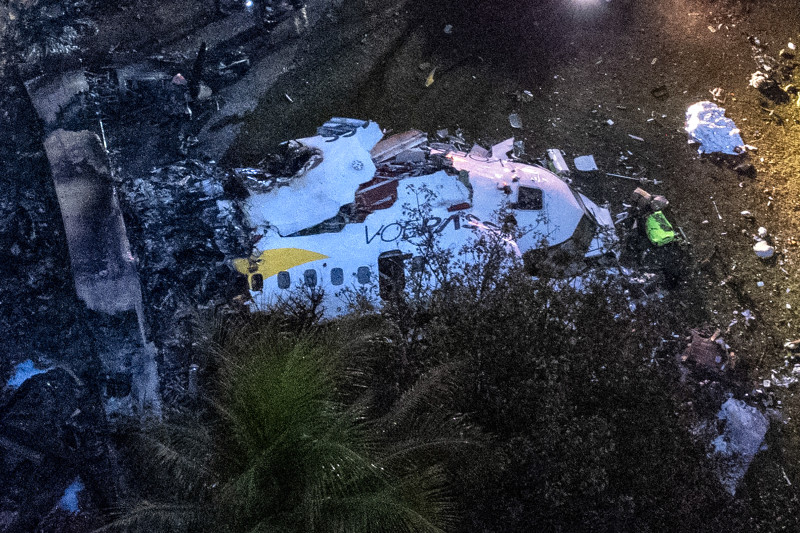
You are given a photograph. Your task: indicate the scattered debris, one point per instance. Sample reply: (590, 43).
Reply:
(448, 29)
(707, 352)
(429, 79)
(502, 149)
(706, 124)
(719, 215)
(585, 163)
(661, 92)
(52, 96)
(22, 372)
(645, 203)
(635, 138)
(556, 162)
(717, 94)
(102, 264)
(524, 96)
(391, 146)
(515, 120)
(69, 501)
(764, 250)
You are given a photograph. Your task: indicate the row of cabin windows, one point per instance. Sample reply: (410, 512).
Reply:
(388, 264)
(310, 278)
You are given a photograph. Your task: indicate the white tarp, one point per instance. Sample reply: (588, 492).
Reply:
(707, 124)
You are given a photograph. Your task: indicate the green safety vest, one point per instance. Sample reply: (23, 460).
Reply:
(658, 229)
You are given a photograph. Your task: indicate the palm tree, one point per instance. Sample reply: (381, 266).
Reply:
(295, 445)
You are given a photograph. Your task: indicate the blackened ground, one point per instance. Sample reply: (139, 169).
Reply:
(53, 428)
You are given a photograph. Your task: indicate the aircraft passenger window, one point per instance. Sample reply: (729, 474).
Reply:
(310, 276)
(284, 280)
(530, 199)
(417, 264)
(363, 275)
(256, 282)
(337, 276)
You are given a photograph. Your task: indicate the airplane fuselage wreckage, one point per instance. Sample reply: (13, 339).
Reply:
(348, 222)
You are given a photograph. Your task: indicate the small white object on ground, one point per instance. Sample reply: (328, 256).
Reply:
(585, 163)
(763, 250)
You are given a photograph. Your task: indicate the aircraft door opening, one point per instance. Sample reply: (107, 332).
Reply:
(391, 273)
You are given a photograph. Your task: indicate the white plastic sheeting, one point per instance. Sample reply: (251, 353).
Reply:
(707, 124)
(24, 371)
(741, 439)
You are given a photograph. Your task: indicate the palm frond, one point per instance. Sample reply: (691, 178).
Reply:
(147, 517)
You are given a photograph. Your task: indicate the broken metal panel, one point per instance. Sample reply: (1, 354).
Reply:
(51, 96)
(396, 144)
(102, 264)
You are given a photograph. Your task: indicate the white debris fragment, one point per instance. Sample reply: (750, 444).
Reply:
(585, 163)
(764, 250)
(762, 232)
(501, 149)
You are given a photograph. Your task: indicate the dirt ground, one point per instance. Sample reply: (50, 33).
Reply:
(588, 63)
(585, 63)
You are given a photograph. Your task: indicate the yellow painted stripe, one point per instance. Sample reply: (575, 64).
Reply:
(270, 262)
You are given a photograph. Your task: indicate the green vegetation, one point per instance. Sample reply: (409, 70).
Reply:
(494, 402)
(292, 442)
